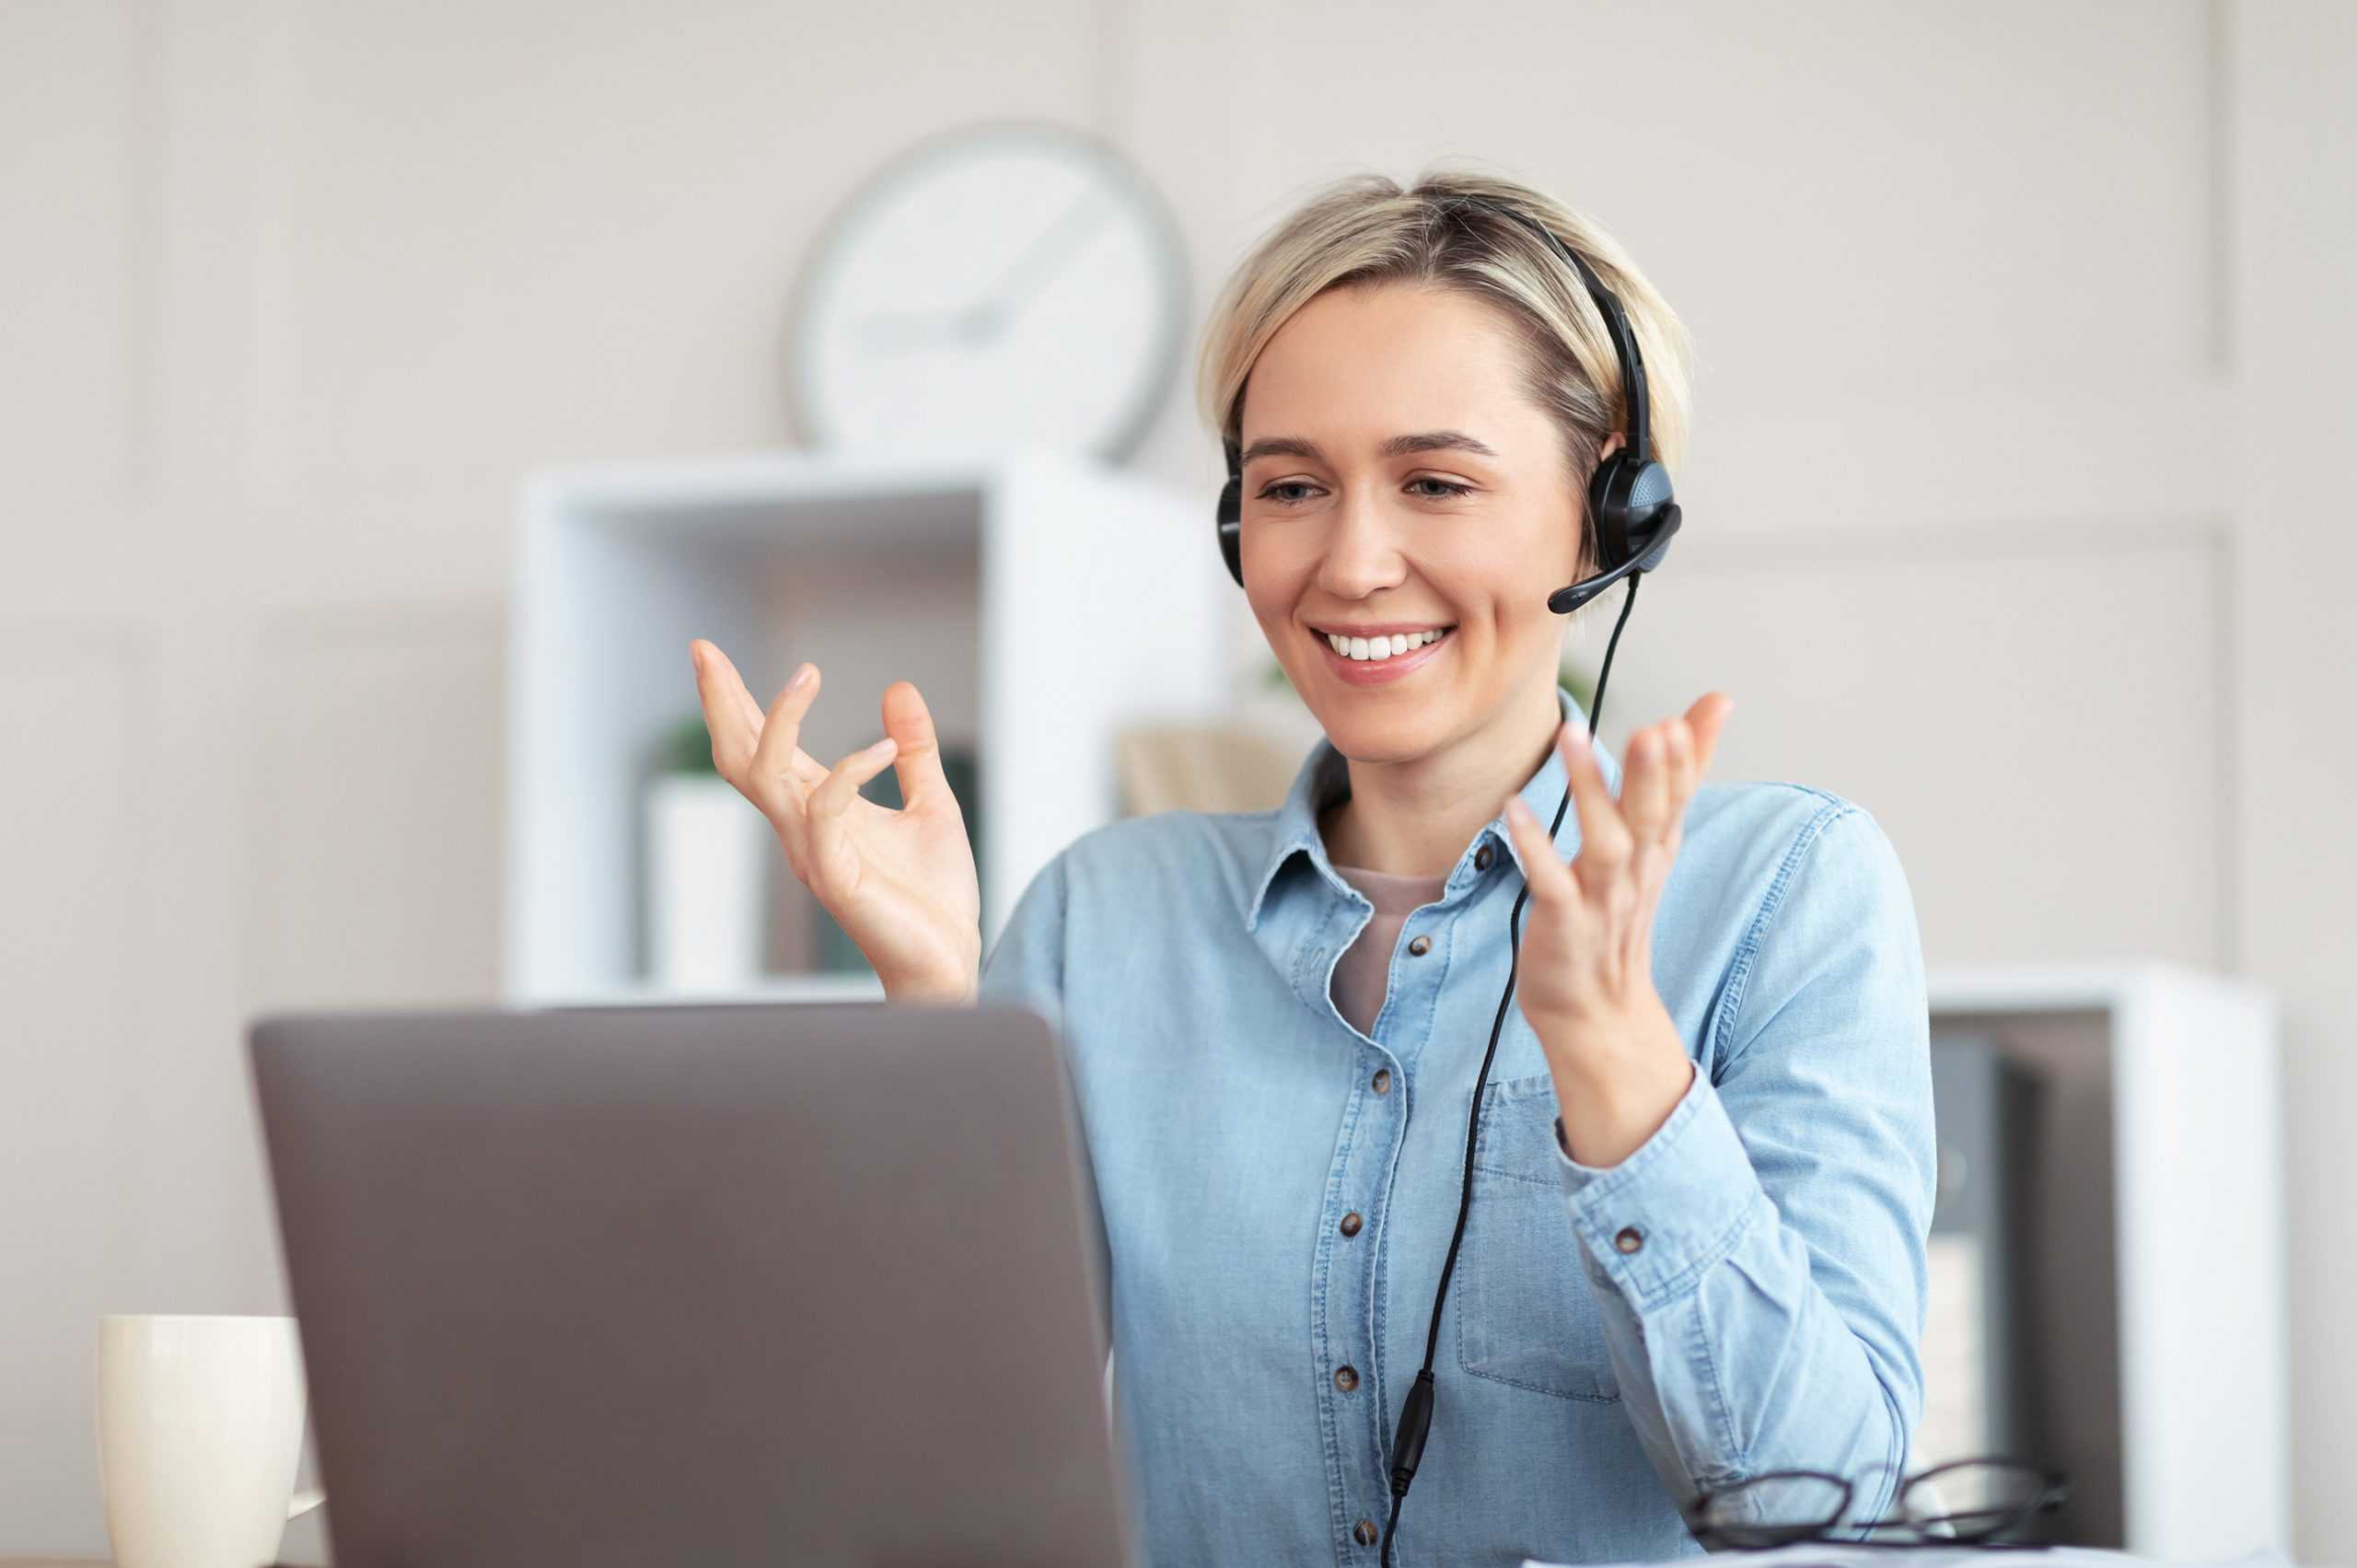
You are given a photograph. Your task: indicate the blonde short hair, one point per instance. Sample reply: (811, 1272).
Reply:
(1363, 229)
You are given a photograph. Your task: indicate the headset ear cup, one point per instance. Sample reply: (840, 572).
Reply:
(1231, 528)
(1655, 546)
(1631, 501)
(1605, 504)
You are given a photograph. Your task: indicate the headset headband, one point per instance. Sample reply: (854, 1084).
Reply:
(1615, 323)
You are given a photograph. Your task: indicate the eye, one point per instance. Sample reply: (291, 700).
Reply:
(1447, 491)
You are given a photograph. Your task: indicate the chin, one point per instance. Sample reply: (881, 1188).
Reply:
(1375, 732)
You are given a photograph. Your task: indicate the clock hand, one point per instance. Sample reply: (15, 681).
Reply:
(914, 329)
(1018, 280)
(1022, 278)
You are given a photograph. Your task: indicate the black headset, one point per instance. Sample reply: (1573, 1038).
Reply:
(1629, 497)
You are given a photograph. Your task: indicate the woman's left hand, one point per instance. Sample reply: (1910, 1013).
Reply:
(1585, 977)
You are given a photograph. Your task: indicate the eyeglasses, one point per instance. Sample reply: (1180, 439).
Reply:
(1970, 1501)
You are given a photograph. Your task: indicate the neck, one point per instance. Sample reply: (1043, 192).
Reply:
(1414, 817)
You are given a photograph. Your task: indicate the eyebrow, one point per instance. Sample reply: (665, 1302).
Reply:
(1396, 447)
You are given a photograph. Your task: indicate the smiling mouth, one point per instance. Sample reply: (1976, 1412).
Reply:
(1376, 650)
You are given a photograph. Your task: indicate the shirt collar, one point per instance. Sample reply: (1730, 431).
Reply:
(1325, 777)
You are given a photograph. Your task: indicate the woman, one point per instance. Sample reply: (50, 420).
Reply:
(1702, 1171)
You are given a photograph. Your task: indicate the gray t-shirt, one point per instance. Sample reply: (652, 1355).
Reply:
(1365, 970)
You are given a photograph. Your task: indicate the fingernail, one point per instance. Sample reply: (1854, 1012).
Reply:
(801, 678)
(1578, 734)
(695, 657)
(882, 746)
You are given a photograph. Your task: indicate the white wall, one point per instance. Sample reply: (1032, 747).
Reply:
(2291, 171)
(2021, 325)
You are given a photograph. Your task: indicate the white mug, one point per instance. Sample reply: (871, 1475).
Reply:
(200, 1435)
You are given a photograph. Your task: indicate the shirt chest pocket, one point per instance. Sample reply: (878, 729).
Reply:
(1524, 1312)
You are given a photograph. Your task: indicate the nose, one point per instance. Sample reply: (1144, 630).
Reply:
(1362, 546)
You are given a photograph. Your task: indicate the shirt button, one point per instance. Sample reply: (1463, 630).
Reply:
(1350, 1223)
(1482, 858)
(1421, 945)
(1630, 1239)
(1364, 1532)
(1346, 1378)
(1383, 1080)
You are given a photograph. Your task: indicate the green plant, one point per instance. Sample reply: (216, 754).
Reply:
(686, 748)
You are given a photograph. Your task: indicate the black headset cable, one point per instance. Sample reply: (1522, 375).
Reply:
(1416, 1416)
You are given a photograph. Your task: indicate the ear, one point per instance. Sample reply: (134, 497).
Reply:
(1612, 444)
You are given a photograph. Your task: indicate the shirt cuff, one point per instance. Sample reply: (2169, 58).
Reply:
(1649, 1226)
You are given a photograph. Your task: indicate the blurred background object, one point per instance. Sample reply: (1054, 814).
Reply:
(1008, 283)
(2066, 1301)
(1201, 767)
(2014, 513)
(707, 871)
(1979, 1396)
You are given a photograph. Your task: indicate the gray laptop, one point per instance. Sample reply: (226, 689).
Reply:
(730, 1284)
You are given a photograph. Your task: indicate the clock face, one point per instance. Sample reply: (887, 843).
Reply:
(1009, 284)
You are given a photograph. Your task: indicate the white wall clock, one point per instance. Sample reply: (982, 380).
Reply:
(1007, 284)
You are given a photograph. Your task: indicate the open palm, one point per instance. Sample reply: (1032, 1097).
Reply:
(1586, 957)
(900, 882)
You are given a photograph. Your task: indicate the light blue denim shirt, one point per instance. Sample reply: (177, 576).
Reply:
(1277, 1190)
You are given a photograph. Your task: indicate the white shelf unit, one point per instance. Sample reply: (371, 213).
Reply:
(1040, 599)
(2155, 1248)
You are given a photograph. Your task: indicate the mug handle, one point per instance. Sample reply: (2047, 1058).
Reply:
(304, 1502)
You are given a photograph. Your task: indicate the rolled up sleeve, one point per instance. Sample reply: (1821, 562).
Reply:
(1673, 1208)
(1759, 1262)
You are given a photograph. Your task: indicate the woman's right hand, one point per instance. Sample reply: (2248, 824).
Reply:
(901, 883)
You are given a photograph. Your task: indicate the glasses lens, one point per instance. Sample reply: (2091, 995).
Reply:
(1766, 1509)
(1973, 1500)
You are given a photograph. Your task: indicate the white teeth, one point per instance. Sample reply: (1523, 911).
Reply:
(1374, 648)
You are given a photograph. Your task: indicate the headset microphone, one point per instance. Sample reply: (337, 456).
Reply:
(1562, 601)
(1635, 514)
